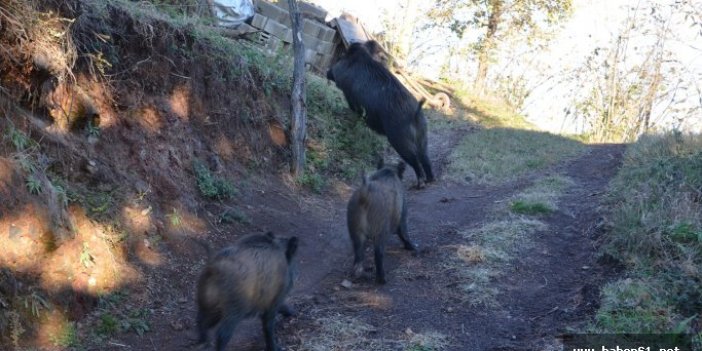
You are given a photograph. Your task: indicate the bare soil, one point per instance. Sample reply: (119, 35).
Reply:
(552, 285)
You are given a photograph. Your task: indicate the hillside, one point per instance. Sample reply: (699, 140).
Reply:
(126, 130)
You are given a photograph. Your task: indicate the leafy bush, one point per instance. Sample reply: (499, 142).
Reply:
(210, 186)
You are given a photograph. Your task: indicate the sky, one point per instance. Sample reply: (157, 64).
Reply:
(594, 24)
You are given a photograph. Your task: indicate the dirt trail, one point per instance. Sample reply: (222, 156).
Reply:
(552, 283)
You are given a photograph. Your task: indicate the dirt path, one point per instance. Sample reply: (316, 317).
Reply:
(553, 282)
(551, 285)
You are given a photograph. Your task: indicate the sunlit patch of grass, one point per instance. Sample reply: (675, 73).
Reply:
(490, 112)
(492, 156)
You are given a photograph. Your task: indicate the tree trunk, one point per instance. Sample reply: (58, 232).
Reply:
(298, 119)
(495, 8)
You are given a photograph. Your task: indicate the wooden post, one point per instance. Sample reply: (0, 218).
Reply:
(298, 118)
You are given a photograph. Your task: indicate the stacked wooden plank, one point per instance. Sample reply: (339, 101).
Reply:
(273, 20)
(351, 30)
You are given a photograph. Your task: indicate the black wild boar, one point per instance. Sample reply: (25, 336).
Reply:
(250, 278)
(388, 107)
(375, 210)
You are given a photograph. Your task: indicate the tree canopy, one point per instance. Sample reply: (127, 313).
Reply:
(495, 20)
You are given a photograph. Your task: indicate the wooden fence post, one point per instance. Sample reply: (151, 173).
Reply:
(298, 118)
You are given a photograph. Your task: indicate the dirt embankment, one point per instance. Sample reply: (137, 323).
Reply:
(108, 109)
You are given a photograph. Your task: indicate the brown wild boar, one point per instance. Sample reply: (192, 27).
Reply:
(250, 278)
(375, 210)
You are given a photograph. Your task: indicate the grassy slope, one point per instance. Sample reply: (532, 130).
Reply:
(656, 231)
(506, 147)
(339, 147)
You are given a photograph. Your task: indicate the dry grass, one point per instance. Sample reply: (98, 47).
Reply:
(346, 333)
(477, 263)
(427, 341)
(475, 266)
(471, 254)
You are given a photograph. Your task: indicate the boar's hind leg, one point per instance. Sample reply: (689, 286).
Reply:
(379, 269)
(268, 321)
(426, 165)
(204, 323)
(402, 231)
(285, 310)
(358, 254)
(225, 331)
(408, 152)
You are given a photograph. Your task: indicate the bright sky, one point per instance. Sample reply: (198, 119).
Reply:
(593, 24)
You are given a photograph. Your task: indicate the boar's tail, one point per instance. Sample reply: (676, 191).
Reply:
(363, 191)
(292, 248)
(418, 113)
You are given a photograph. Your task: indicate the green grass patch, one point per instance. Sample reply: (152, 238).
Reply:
(19, 139)
(633, 305)
(211, 186)
(67, 336)
(99, 203)
(541, 198)
(108, 325)
(530, 208)
(492, 156)
(313, 181)
(114, 318)
(656, 231)
(488, 111)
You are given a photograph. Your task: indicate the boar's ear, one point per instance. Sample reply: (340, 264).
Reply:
(380, 163)
(400, 169)
(365, 179)
(292, 248)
